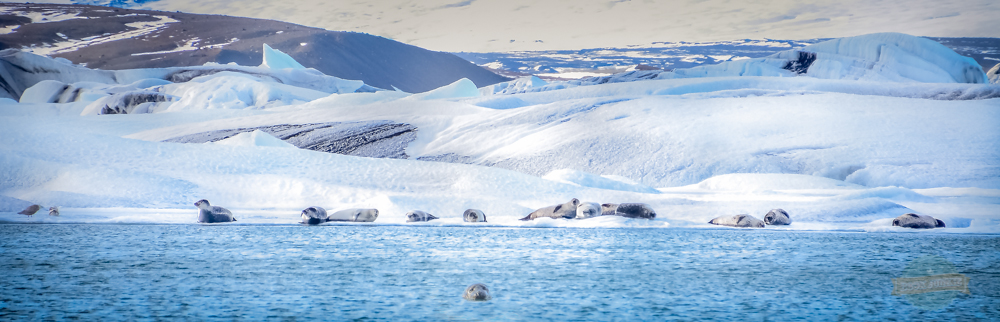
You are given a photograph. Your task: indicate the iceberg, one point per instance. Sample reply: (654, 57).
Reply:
(275, 59)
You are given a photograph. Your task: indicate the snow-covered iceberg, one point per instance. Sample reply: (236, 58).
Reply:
(880, 57)
(837, 154)
(22, 71)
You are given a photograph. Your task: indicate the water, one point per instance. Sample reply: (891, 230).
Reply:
(226, 272)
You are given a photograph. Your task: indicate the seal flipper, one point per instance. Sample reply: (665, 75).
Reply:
(526, 218)
(940, 224)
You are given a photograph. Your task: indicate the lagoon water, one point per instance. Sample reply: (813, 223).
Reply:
(344, 272)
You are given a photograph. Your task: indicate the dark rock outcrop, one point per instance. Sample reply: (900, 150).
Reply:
(375, 139)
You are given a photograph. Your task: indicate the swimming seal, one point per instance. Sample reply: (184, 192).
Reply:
(212, 214)
(777, 217)
(31, 210)
(417, 215)
(588, 210)
(474, 215)
(629, 210)
(354, 214)
(566, 210)
(743, 220)
(477, 292)
(917, 221)
(313, 216)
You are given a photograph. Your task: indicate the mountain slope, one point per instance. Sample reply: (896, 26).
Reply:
(113, 38)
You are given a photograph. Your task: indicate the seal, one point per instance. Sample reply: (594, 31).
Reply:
(917, 221)
(743, 220)
(474, 215)
(630, 210)
(313, 216)
(588, 210)
(566, 210)
(417, 215)
(477, 292)
(777, 217)
(54, 211)
(31, 210)
(354, 214)
(212, 214)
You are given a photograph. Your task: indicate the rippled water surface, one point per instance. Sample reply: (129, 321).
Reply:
(225, 272)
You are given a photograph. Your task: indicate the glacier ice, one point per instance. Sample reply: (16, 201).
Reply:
(276, 59)
(837, 154)
(880, 57)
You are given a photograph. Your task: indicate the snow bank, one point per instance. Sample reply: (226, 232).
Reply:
(459, 89)
(254, 138)
(609, 182)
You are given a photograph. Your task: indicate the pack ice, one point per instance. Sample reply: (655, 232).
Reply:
(843, 135)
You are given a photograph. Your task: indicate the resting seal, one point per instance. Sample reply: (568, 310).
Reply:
(477, 292)
(630, 210)
(54, 211)
(917, 221)
(210, 214)
(588, 210)
(474, 215)
(566, 210)
(418, 215)
(777, 217)
(314, 215)
(31, 210)
(354, 214)
(738, 221)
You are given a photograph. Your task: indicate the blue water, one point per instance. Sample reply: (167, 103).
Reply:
(226, 272)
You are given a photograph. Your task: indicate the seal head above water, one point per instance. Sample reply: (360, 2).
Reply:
(212, 214)
(477, 292)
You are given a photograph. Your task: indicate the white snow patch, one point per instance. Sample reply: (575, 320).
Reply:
(255, 138)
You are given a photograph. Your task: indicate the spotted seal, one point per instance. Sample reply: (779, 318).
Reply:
(474, 215)
(917, 221)
(477, 292)
(417, 215)
(743, 220)
(566, 210)
(212, 214)
(777, 217)
(354, 214)
(313, 216)
(629, 210)
(588, 210)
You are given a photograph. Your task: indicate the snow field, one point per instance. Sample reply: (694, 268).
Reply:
(837, 154)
